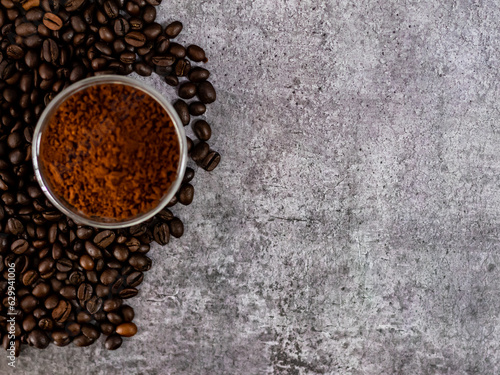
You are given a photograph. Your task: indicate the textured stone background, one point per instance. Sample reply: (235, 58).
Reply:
(352, 227)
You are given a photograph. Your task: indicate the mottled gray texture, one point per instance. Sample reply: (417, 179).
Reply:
(352, 227)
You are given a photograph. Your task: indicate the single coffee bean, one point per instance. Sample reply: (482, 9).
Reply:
(109, 276)
(103, 48)
(52, 22)
(140, 262)
(187, 90)
(163, 60)
(92, 277)
(126, 329)
(93, 250)
(113, 342)
(34, 15)
(121, 26)
(120, 252)
(182, 68)
(28, 303)
(196, 53)
(29, 323)
(61, 312)
(112, 304)
(15, 52)
(143, 69)
(172, 80)
(152, 31)
(78, 24)
(91, 331)
(149, 14)
(106, 34)
(84, 233)
(206, 92)
(111, 8)
(29, 277)
(83, 317)
(183, 111)
(210, 161)
(38, 339)
(200, 151)
(133, 244)
(127, 313)
(68, 292)
(177, 50)
(128, 293)
(72, 5)
(202, 130)
(198, 74)
(94, 304)
(176, 227)
(114, 318)
(105, 238)
(15, 227)
(135, 39)
(135, 278)
(82, 341)
(197, 108)
(85, 292)
(26, 29)
(42, 290)
(132, 9)
(76, 278)
(50, 50)
(102, 290)
(173, 29)
(161, 233)
(186, 194)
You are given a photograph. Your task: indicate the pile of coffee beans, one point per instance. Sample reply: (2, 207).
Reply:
(71, 281)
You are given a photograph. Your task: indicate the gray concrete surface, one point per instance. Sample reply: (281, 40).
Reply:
(353, 225)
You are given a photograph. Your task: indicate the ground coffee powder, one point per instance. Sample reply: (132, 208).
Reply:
(111, 151)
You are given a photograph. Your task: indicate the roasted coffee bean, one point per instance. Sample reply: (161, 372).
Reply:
(78, 24)
(29, 323)
(46, 324)
(126, 329)
(82, 341)
(102, 290)
(50, 50)
(198, 74)
(152, 31)
(127, 57)
(52, 22)
(61, 312)
(72, 5)
(26, 29)
(85, 292)
(91, 331)
(140, 262)
(86, 262)
(202, 130)
(135, 39)
(76, 278)
(211, 161)
(74, 329)
(163, 61)
(173, 29)
(109, 276)
(83, 317)
(182, 68)
(177, 50)
(106, 34)
(183, 111)
(15, 227)
(103, 48)
(200, 151)
(84, 233)
(38, 339)
(143, 69)
(113, 342)
(197, 108)
(120, 252)
(149, 14)
(187, 90)
(15, 52)
(196, 53)
(68, 292)
(161, 233)
(94, 304)
(176, 227)
(112, 304)
(111, 8)
(172, 80)
(93, 250)
(28, 303)
(114, 318)
(127, 313)
(206, 92)
(64, 265)
(128, 293)
(42, 290)
(121, 26)
(186, 194)
(105, 238)
(29, 277)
